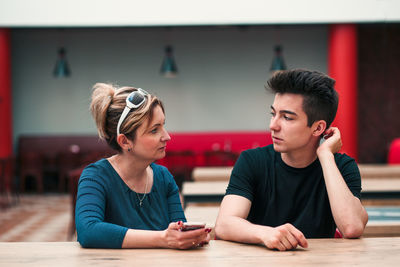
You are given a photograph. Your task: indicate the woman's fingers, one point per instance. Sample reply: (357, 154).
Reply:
(187, 239)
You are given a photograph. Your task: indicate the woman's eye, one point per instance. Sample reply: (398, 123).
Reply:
(154, 131)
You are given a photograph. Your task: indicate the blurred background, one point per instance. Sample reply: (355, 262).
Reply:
(207, 61)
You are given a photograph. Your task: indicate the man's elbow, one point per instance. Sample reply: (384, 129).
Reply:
(220, 229)
(353, 231)
(356, 227)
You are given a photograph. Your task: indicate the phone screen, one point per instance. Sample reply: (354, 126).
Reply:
(192, 226)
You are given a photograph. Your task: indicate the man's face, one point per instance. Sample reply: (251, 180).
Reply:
(288, 124)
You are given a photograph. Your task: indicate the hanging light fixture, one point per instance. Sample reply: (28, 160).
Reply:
(61, 68)
(278, 63)
(168, 66)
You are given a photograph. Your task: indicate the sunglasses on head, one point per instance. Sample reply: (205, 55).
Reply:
(133, 100)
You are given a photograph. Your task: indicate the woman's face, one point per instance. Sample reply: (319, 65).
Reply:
(151, 138)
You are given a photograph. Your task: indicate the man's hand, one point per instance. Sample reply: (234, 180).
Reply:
(332, 143)
(284, 237)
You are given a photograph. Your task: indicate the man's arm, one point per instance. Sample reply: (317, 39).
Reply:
(232, 225)
(348, 212)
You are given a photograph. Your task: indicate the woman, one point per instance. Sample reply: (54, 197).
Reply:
(127, 201)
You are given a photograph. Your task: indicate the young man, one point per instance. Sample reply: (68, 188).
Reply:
(281, 194)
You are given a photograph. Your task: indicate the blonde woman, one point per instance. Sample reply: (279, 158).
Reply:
(126, 200)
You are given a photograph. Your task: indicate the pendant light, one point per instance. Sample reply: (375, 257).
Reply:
(278, 63)
(168, 66)
(61, 68)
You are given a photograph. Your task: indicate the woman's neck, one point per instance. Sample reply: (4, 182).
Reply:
(128, 171)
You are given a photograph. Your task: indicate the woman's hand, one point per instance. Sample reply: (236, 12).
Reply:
(175, 238)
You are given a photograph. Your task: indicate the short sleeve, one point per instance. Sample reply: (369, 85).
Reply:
(350, 172)
(242, 178)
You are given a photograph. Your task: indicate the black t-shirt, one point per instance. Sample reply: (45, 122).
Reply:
(282, 194)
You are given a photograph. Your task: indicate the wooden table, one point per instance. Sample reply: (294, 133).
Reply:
(321, 252)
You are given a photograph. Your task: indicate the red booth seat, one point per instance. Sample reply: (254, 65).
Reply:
(228, 141)
(188, 150)
(394, 152)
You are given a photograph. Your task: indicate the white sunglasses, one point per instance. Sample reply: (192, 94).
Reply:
(133, 100)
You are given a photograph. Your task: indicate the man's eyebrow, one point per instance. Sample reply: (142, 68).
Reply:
(285, 111)
(288, 112)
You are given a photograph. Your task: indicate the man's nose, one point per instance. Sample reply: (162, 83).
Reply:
(273, 124)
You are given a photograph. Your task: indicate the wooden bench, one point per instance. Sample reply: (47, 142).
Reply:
(379, 171)
(211, 174)
(204, 191)
(367, 171)
(213, 190)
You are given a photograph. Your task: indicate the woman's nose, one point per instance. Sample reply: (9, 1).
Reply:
(166, 136)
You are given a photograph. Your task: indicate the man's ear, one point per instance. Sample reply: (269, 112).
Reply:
(319, 127)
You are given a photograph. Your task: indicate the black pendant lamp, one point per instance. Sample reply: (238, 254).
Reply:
(278, 63)
(168, 66)
(61, 68)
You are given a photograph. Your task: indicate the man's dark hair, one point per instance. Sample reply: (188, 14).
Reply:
(320, 99)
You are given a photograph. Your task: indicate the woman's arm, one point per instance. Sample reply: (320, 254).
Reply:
(172, 237)
(91, 229)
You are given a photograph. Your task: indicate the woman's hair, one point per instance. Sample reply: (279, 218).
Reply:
(107, 104)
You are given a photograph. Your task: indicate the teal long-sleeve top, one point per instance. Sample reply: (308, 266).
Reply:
(106, 207)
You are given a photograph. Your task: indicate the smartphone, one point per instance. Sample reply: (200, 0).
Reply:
(188, 226)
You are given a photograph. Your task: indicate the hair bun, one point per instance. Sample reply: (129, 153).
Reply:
(102, 97)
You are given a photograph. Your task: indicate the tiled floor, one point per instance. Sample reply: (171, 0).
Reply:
(36, 218)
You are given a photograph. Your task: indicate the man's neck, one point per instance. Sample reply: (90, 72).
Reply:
(301, 158)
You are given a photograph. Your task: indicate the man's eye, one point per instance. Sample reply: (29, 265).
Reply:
(272, 114)
(287, 118)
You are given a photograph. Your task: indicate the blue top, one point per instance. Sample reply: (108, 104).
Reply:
(106, 207)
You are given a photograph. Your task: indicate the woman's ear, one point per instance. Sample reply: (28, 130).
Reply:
(319, 127)
(124, 142)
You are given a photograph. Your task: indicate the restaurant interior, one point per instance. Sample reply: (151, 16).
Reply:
(210, 72)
